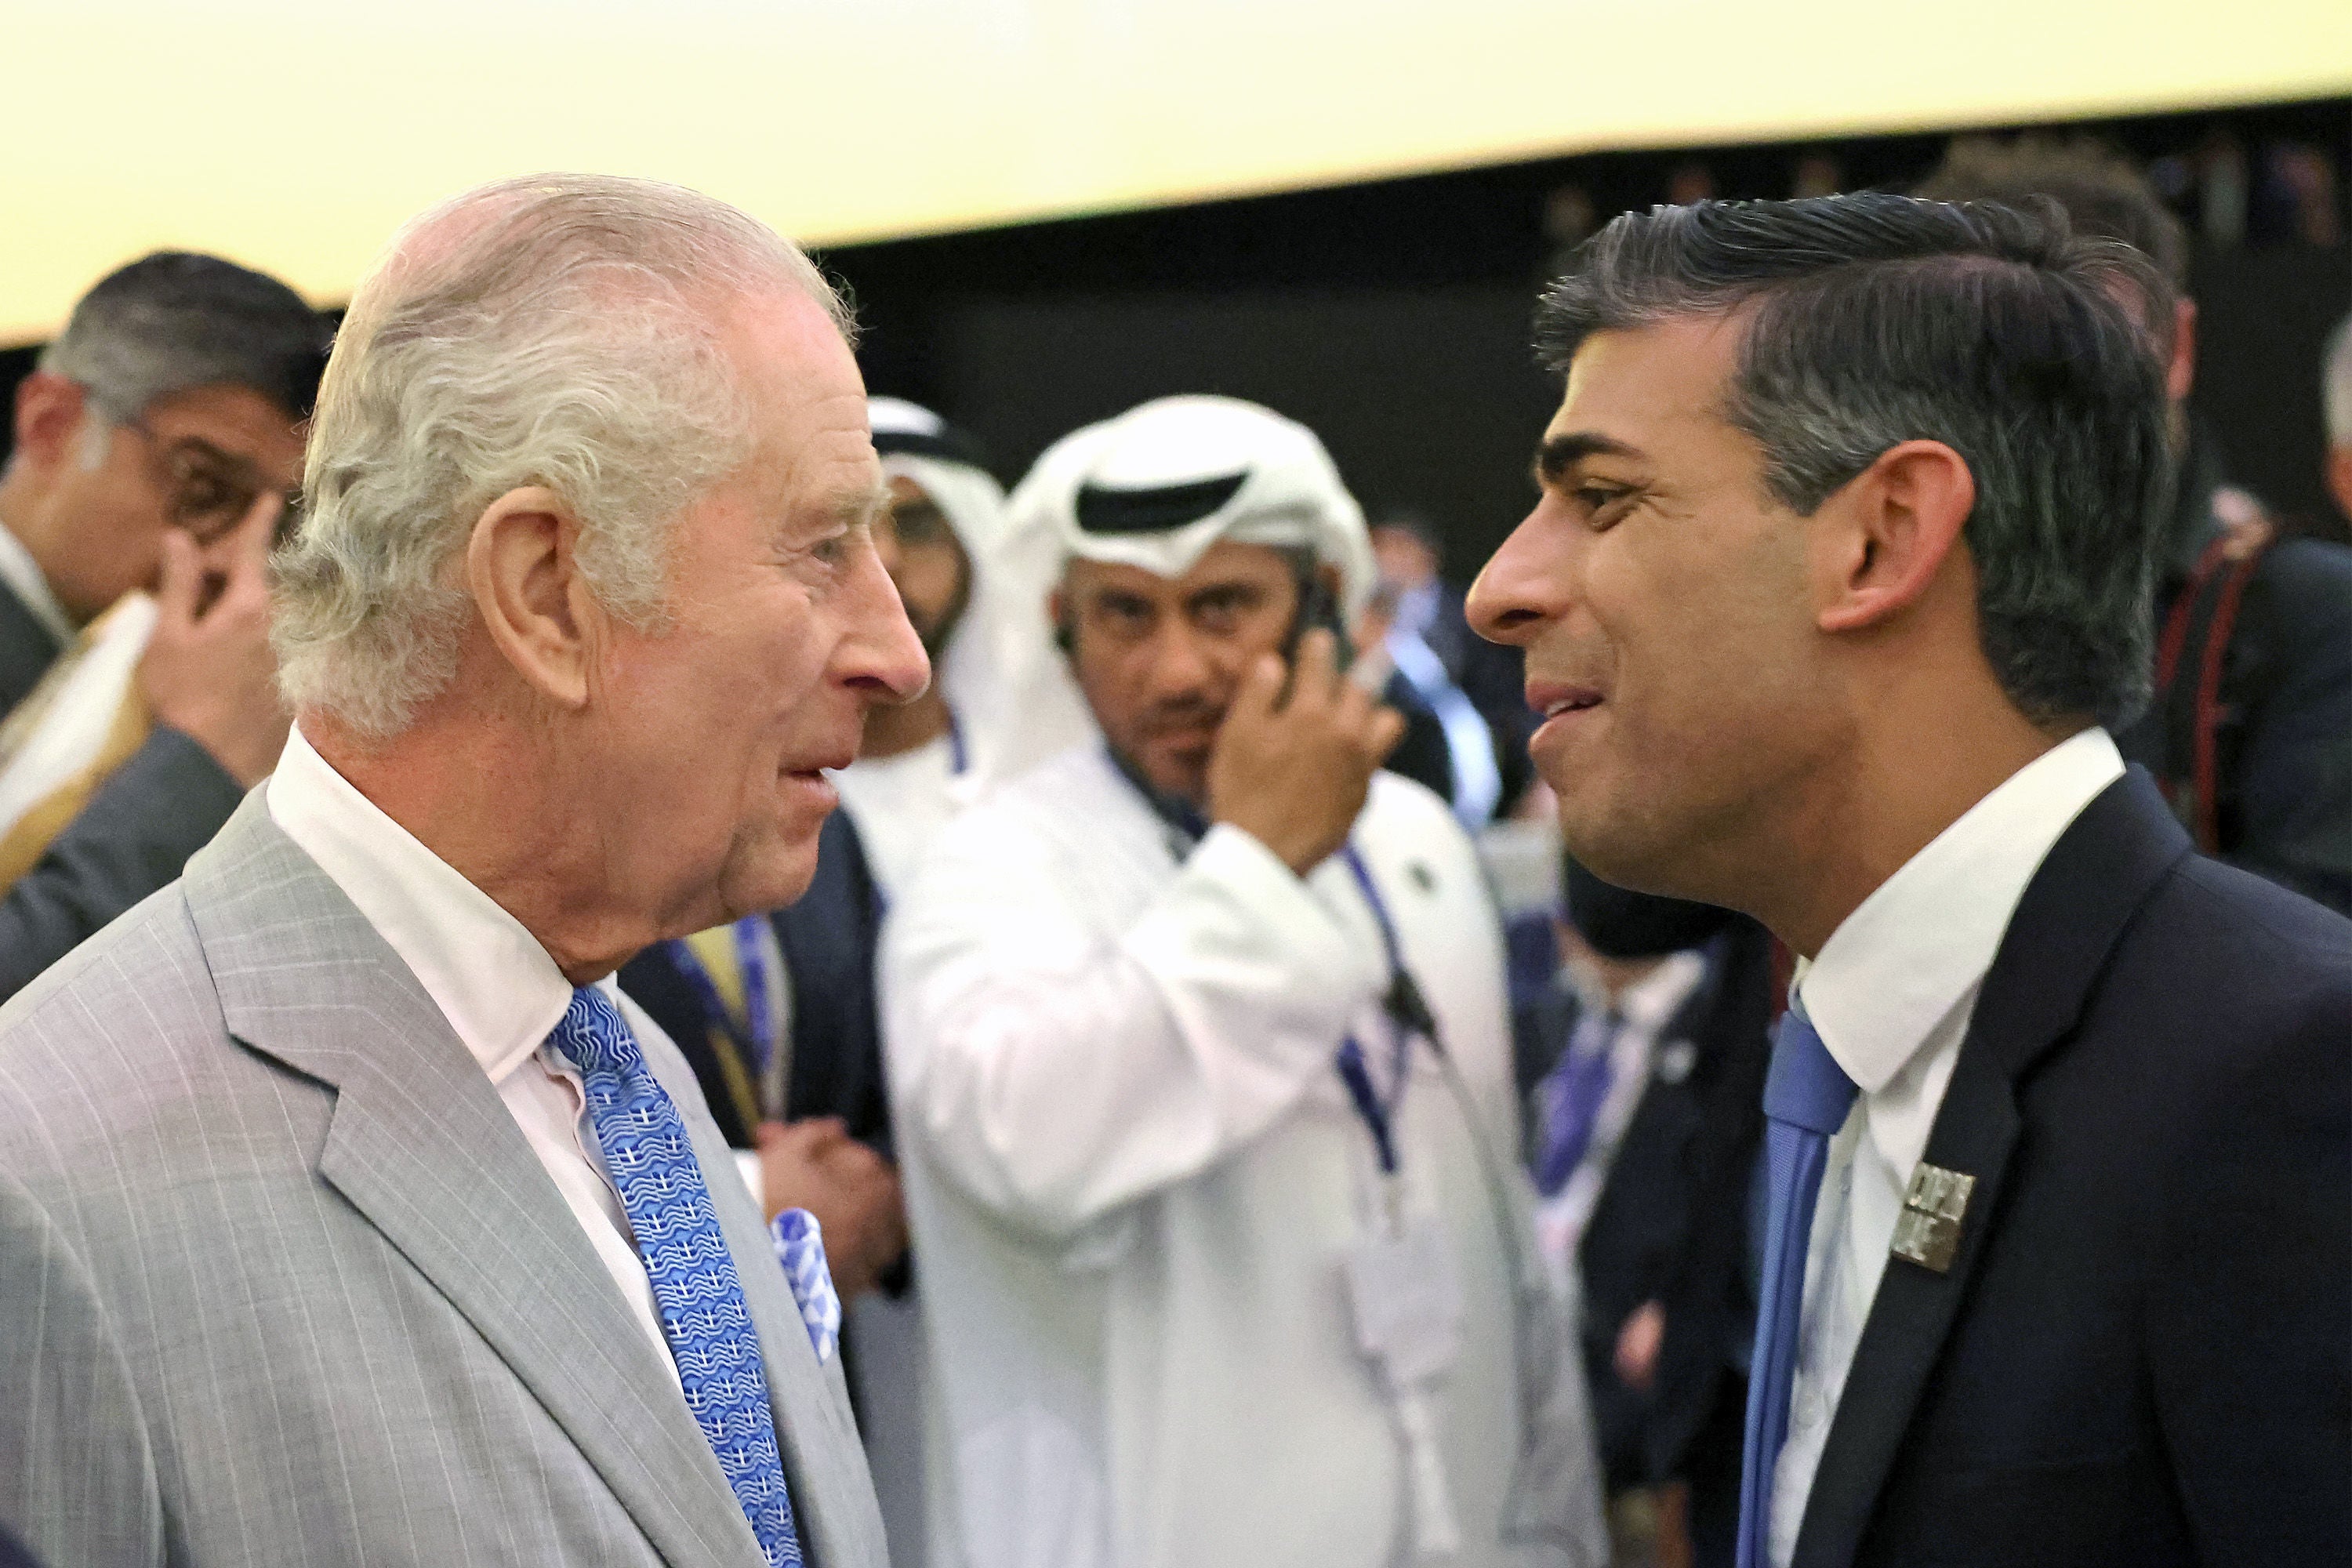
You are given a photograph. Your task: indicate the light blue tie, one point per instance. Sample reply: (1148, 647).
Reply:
(1806, 1098)
(703, 1312)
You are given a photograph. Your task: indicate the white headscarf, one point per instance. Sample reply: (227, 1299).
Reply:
(1012, 700)
(1157, 486)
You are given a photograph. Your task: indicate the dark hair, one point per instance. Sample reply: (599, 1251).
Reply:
(174, 321)
(1881, 319)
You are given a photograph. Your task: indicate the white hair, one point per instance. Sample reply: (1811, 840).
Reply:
(558, 330)
(2336, 385)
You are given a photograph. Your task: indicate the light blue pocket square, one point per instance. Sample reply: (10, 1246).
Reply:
(800, 1247)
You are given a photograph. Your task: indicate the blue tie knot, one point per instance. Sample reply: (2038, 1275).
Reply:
(1805, 1087)
(595, 1037)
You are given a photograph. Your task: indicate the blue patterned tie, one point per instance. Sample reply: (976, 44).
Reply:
(703, 1312)
(1806, 1098)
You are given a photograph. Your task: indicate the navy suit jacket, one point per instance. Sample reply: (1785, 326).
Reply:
(2142, 1352)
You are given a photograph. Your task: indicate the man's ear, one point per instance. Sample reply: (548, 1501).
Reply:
(522, 570)
(48, 417)
(1065, 629)
(1878, 543)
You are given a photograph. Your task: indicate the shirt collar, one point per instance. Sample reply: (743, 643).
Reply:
(489, 976)
(1899, 964)
(21, 575)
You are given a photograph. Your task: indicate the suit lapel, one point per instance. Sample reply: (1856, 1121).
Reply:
(2094, 880)
(424, 1150)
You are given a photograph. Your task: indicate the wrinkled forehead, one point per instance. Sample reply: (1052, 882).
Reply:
(804, 397)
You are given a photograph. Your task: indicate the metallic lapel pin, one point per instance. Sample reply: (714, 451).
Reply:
(1927, 1232)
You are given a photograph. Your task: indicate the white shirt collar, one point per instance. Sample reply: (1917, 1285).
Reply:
(491, 979)
(1920, 943)
(22, 575)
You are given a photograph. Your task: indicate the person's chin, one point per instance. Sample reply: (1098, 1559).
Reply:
(775, 875)
(1181, 770)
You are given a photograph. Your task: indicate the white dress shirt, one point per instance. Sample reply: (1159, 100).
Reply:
(1891, 995)
(21, 575)
(491, 979)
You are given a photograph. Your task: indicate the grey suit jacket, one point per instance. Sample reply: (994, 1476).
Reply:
(282, 1283)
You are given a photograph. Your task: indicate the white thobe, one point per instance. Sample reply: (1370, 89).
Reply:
(1133, 1174)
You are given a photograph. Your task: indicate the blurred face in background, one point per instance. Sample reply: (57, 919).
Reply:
(1661, 595)
(925, 561)
(92, 499)
(1405, 562)
(1159, 658)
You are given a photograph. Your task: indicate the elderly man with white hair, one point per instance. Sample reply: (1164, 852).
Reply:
(1200, 1060)
(348, 1214)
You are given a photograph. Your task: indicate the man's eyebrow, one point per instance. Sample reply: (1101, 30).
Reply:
(1561, 453)
(852, 508)
(243, 467)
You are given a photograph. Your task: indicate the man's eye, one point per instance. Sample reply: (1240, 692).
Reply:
(1601, 504)
(918, 525)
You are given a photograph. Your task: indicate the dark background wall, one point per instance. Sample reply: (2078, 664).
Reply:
(1393, 317)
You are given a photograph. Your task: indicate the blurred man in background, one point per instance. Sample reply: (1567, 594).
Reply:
(1644, 1127)
(348, 1212)
(155, 446)
(1838, 580)
(1164, 1018)
(1470, 687)
(2251, 729)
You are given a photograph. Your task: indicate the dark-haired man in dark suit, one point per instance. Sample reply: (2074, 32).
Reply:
(1837, 586)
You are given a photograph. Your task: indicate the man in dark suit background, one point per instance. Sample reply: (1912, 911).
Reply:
(1419, 610)
(2260, 765)
(153, 447)
(1838, 583)
(1645, 1123)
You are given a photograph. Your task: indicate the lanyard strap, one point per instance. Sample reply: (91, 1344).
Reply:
(757, 1037)
(1406, 1018)
(1408, 1013)
(959, 753)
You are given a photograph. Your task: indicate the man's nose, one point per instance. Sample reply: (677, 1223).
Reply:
(880, 650)
(1181, 660)
(1529, 583)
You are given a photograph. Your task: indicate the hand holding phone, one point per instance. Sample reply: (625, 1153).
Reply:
(1291, 768)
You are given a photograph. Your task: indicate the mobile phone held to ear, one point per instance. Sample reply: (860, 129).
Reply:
(1317, 607)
